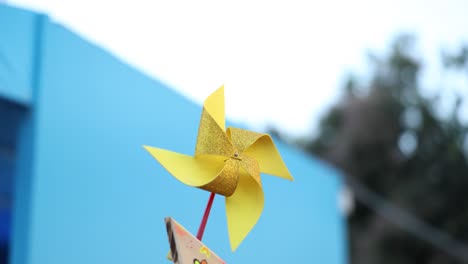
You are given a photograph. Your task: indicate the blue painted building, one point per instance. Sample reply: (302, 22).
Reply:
(76, 186)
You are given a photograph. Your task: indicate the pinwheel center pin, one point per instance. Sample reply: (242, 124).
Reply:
(234, 156)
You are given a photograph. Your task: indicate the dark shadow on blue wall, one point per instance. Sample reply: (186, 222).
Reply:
(10, 118)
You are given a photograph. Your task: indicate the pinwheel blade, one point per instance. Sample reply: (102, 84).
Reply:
(226, 181)
(268, 157)
(192, 171)
(212, 139)
(242, 138)
(243, 208)
(214, 105)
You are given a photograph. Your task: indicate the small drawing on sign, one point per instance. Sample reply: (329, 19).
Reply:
(205, 251)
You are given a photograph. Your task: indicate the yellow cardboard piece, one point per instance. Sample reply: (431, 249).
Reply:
(187, 249)
(229, 163)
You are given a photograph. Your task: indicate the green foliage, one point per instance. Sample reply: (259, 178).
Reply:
(389, 136)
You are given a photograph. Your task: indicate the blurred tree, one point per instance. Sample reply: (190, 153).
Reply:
(387, 135)
(458, 60)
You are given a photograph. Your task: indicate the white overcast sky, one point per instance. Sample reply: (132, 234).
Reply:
(282, 62)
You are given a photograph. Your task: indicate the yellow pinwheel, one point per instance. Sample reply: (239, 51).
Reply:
(227, 162)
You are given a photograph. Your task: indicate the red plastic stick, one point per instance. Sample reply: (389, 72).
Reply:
(201, 229)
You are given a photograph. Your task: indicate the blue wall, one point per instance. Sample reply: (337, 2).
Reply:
(91, 193)
(17, 47)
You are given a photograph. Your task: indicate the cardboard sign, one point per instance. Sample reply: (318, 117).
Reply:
(186, 248)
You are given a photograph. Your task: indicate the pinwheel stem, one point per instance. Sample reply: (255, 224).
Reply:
(201, 229)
